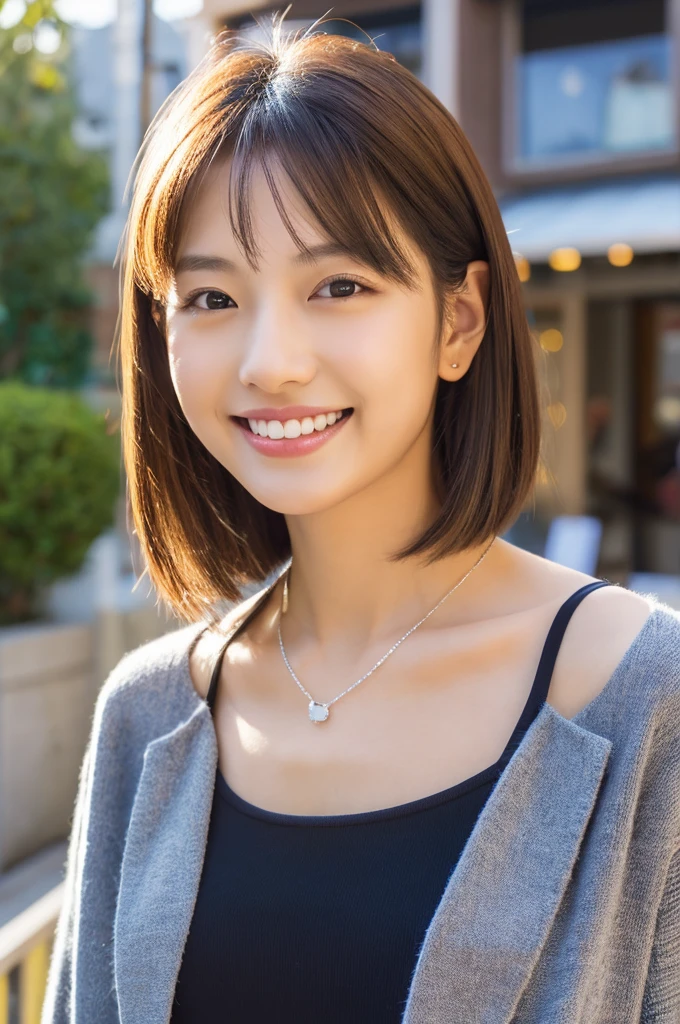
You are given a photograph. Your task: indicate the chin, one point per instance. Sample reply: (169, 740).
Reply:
(291, 501)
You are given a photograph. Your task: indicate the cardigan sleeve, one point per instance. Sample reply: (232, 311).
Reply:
(56, 1007)
(59, 1004)
(133, 705)
(661, 1001)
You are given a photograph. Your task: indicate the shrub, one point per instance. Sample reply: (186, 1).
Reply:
(59, 479)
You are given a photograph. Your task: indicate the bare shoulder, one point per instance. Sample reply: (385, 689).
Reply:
(602, 628)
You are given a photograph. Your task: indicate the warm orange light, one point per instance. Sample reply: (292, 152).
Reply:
(557, 414)
(551, 340)
(523, 268)
(565, 259)
(620, 254)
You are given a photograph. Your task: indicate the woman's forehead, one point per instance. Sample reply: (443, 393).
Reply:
(207, 221)
(208, 210)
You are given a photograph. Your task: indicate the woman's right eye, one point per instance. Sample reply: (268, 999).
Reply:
(212, 300)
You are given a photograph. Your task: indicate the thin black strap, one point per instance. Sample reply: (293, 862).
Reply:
(556, 633)
(212, 689)
(551, 647)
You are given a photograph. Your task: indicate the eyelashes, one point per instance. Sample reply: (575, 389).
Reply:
(191, 301)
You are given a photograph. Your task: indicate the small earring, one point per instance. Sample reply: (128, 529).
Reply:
(454, 365)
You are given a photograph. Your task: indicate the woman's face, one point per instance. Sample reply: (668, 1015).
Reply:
(284, 348)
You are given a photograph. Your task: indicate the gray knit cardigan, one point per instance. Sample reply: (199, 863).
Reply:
(564, 907)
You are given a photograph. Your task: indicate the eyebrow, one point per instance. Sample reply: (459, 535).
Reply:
(197, 261)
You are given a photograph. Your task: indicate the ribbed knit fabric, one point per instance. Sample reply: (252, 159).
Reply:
(296, 918)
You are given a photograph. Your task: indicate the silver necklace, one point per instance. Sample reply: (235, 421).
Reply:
(319, 712)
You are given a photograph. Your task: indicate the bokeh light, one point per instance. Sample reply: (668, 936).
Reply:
(523, 268)
(565, 259)
(620, 254)
(551, 340)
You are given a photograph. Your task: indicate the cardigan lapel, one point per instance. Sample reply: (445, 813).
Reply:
(497, 908)
(161, 868)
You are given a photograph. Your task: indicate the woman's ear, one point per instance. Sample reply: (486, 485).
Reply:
(464, 328)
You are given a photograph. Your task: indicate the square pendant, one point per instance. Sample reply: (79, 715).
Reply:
(317, 712)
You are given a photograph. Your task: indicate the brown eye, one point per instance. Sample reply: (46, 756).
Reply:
(215, 300)
(341, 288)
(207, 300)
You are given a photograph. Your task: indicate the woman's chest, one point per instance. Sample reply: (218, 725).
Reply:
(441, 711)
(395, 738)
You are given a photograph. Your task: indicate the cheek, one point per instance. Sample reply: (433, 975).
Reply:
(195, 373)
(394, 374)
(200, 397)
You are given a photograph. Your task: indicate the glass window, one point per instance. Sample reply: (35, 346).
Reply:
(397, 31)
(593, 80)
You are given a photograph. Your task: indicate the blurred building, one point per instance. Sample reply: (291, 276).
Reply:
(583, 149)
(107, 67)
(573, 107)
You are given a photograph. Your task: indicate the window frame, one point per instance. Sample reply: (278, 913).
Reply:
(520, 170)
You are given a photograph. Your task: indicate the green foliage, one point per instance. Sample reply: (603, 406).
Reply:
(59, 480)
(52, 196)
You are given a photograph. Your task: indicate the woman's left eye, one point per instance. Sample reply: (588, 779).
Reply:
(341, 288)
(210, 300)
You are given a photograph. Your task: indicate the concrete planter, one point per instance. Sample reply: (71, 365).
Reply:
(47, 695)
(50, 675)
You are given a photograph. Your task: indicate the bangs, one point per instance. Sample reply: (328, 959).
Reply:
(295, 126)
(341, 194)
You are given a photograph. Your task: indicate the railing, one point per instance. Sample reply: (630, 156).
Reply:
(25, 946)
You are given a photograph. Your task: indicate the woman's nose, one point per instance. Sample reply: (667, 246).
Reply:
(277, 352)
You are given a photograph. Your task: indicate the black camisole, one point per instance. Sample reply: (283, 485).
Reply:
(318, 919)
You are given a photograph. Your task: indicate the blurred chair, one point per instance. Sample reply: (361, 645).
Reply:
(662, 587)
(574, 541)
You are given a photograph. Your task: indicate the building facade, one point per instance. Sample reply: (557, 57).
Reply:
(583, 151)
(107, 69)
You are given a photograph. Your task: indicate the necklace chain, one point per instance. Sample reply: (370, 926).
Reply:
(318, 712)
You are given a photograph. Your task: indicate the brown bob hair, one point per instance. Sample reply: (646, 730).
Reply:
(347, 124)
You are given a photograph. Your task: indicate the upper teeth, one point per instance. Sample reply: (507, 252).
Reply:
(293, 428)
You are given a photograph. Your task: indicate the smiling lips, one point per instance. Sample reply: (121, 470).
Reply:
(295, 430)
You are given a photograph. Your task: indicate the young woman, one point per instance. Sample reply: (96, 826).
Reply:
(421, 775)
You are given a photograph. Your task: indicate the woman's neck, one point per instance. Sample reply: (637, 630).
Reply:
(343, 588)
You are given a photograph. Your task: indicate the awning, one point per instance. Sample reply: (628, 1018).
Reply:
(643, 212)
